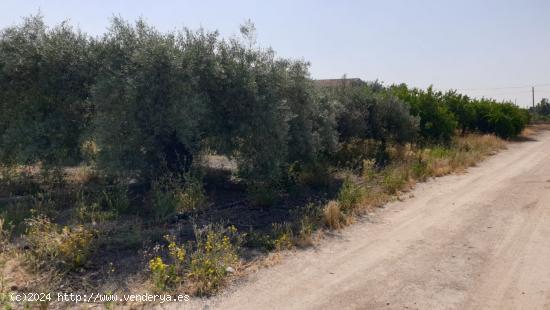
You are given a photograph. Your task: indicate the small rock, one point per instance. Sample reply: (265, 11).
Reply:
(230, 269)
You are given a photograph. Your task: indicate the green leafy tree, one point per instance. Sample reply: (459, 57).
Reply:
(149, 104)
(45, 80)
(437, 123)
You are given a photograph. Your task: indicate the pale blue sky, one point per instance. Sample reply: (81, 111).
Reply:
(488, 46)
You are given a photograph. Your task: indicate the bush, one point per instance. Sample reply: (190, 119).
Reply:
(54, 247)
(395, 178)
(349, 195)
(216, 250)
(168, 275)
(164, 199)
(283, 236)
(191, 197)
(308, 218)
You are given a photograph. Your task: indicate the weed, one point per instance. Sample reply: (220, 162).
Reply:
(216, 250)
(333, 216)
(75, 245)
(305, 233)
(260, 240)
(116, 199)
(53, 177)
(13, 216)
(91, 212)
(349, 196)
(395, 178)
(168, 275)
(369, 170)
(309, 217)
(161, 273)
(17, 181)
(52, 247)
(283, 236)
(419, 170)
(165, 200)
(192, 196)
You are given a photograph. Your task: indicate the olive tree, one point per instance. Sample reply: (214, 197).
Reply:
(45, 80)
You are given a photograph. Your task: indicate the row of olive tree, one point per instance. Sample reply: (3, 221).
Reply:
(150, 102)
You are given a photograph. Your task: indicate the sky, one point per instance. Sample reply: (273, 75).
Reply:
(496, 49)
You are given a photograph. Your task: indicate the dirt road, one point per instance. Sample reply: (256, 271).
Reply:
(480, 240)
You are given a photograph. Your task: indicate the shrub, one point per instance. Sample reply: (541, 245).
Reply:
(75, 245)
(349, 195)
(160, 273)
(191, 197)
(54, 247)
(309, 218)
(216, 250)
(541, 109)
(168, 275)
(283, 236)
(395, 178)
(93, 209)
(369, 170)
(164, 199)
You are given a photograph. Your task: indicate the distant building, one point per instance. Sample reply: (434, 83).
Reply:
(339, 82)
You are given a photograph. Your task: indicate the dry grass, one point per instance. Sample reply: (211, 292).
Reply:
(378, 187)
(465, 152)
(333, 216)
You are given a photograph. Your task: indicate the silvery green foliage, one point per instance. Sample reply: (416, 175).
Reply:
(45, 78)
(149, 106)
(149, 102)
(161, 98)
(371, 112)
